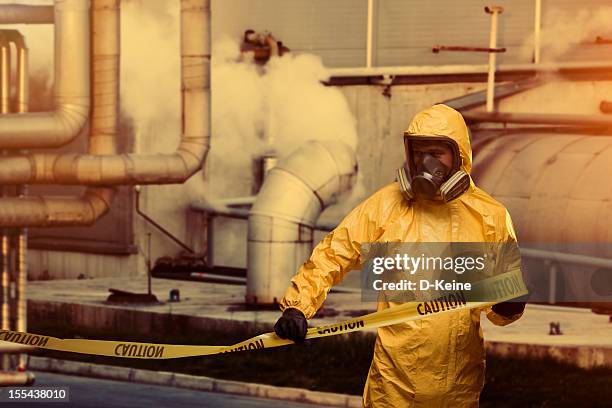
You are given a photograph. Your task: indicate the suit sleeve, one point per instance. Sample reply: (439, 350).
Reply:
(338, 253)
(512, 261)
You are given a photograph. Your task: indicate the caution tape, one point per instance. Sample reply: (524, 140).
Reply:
(499, 288)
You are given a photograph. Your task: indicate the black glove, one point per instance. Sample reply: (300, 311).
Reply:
(292, 325)
(511, 308)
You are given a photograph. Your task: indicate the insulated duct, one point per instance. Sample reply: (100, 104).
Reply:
(25, 211)
(92, 169)
(71, 88)
(539, 118)
(101, 166)
(5, 72)
(282, 219)
(5, 76)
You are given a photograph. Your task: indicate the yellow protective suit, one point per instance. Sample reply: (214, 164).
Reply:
(431, 362)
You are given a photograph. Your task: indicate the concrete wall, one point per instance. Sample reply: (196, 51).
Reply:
(44, 265)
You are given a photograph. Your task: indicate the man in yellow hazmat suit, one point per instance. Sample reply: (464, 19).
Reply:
(435, 361)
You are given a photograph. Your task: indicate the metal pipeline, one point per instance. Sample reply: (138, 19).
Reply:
(222, 209)
(71, 88)
(567, 258)
(56, 211)
(22, 14)
(539, 118)
(537, 32)
(5, 281)
(16, 378)
(22, 277)
(369, 33)
(7, 347)
(420, 70)
(4, 362)
(100, 169)
(5, 73)
(283, 217)
(23, 102)
(494, 11)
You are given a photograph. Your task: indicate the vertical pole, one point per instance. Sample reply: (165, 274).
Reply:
(552, 291)
(22, 237)
(210, 236)
(369, 33)
(537, 31)
(149, 263)
(5, 287)
(494, 11)
(5, 72)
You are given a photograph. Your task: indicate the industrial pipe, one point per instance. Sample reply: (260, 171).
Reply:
(5, 75)
(537, 31)
(217, 208)
(7, 347)
(437, 48)
(568, 258)
(539, 118)
(224, 205)
(494, 11)
(283, 217)
(5, 292)
(22, 277)
(71, 88)
(369, 33)
(23, 99)
(5, 281)
(418, 70)
(5, 72)
(101, 167)
(22, 14)
(92, 169)
(15, 378)
(55, 211)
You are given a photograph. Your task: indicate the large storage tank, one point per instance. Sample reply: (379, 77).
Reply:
(558, 189)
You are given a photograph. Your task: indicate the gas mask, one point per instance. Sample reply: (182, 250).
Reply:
(431, 179)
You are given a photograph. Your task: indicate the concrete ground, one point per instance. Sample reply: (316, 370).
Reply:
(586, 338)
(96, 393)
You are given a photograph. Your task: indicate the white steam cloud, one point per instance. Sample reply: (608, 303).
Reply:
(150, 72)
(278, 106)
(562, 30)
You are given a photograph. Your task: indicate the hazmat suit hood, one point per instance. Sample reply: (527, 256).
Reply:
(442, 120)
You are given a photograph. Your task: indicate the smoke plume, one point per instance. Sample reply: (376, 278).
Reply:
(562, 30)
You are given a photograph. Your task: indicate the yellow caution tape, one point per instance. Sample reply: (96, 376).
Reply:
(499, 288)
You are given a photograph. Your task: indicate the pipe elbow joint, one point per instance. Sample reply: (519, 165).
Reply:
(299, 191)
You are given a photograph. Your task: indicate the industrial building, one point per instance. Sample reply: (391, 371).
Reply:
(143, 136)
